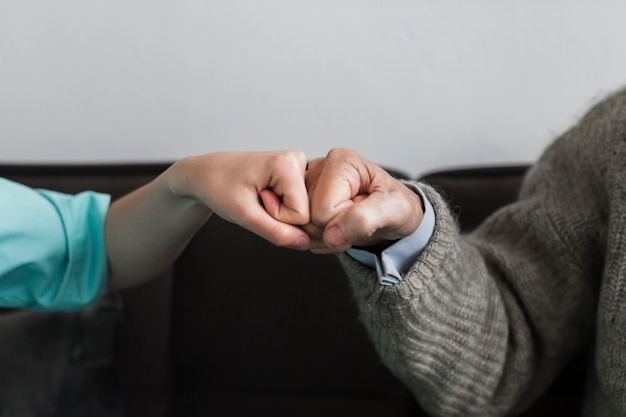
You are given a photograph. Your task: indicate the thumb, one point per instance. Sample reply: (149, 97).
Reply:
(294, 210)
(357, 223)
(277, 232)
(286, 198)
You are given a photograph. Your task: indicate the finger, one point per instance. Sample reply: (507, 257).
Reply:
(317, 245)
(359, 223)
(257, 220)
(279, 211)
(312, 173)
(332, 182)
(288, 187)
(286, 210)
(314, 232)
(380, 216)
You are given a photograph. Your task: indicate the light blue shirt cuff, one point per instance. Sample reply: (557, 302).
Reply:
(399, 257)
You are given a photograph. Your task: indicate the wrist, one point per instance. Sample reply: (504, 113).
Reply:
(417, 204)
(181, 184)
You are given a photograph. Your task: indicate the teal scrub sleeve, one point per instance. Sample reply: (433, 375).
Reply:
(52, 249)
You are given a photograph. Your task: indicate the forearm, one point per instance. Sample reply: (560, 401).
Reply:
(263, 192)
(147, 229)
(476, 326)
(444, 336)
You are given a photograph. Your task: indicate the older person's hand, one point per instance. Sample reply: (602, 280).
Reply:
(354, 202)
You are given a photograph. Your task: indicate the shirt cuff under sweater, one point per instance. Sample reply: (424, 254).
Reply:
(430, 257)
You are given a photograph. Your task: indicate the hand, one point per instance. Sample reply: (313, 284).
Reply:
(356, 203)
(263, 192)
(146, 229)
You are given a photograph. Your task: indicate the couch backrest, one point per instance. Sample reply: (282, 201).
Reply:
(475, 193)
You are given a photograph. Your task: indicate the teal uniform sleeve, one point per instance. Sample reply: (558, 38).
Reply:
(52, 248)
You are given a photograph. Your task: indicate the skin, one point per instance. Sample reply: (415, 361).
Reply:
(263, 192)
(342, 200)
(354, 202)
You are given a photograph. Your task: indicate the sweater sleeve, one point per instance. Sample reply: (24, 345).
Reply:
(52, 250)
(481, 324)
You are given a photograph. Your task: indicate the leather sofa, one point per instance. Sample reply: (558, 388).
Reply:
(236, 327)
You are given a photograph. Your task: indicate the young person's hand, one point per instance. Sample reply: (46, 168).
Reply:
(354, 202)
(263, 192)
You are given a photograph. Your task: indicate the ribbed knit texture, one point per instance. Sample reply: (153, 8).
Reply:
(483, 323)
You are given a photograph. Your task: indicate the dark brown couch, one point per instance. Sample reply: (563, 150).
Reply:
(237, 327)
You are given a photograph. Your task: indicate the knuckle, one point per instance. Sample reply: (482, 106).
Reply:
(362, 225)
(340, 153)
(319, 215)
(291, 158)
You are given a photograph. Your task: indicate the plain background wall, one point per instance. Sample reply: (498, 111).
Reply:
(416, 85)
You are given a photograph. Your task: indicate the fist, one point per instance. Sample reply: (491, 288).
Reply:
(354, 202)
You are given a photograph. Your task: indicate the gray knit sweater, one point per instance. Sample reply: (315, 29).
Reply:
(483, 323)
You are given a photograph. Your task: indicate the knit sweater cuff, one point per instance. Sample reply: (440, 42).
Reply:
(364, 281)
(430, 329)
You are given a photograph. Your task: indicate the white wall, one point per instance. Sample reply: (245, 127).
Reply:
(412, 84)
